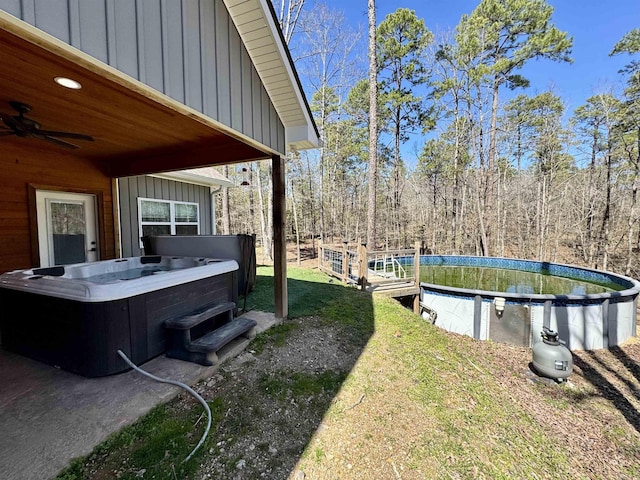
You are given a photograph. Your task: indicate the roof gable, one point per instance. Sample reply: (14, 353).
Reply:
(256, 23)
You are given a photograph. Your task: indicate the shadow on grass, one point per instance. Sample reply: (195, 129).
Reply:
(609, 391)
(630, 364)
(309, 291)
(304, 392)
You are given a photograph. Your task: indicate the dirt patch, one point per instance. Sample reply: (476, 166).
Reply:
(275, 400)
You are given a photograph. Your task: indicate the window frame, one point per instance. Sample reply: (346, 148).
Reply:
(172, 223)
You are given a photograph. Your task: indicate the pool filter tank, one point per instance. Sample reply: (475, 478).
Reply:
(551, 358)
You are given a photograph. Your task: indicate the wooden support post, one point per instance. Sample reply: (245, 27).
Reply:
(416, 275)
(279, 240)
(345, 262)
(320, 254)
(362, 266)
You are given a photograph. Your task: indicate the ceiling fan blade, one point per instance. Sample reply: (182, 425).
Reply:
(10, 122)
(77, 136)
(62, 143)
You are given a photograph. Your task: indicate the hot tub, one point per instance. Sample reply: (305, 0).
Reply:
(76, 317)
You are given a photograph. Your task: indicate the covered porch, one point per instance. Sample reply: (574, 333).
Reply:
(156, 96)
(136, 130)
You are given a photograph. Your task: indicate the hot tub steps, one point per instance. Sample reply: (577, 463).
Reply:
(196, 317)
(202, 350)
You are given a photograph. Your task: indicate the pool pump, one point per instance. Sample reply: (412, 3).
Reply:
(551, 358)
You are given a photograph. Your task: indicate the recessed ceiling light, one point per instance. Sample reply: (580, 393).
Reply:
(67, 83)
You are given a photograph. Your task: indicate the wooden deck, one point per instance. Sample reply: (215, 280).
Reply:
(385, 273)
(391, 288)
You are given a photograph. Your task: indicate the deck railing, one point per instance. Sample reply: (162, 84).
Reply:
(354, 264)
(391, 266)
(340, 261)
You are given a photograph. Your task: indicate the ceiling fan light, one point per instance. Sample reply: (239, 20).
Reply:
(68, 83)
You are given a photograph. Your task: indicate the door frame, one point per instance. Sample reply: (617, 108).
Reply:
(45, 200)
(33, 217)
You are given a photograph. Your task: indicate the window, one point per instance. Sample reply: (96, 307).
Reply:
(167, 217)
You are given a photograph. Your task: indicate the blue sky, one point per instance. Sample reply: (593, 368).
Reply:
(596, 25)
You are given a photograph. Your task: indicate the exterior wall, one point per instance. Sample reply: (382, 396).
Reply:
(131, 188)
(189, 50)
(22, 165)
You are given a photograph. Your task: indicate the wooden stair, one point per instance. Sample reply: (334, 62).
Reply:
(192, 338)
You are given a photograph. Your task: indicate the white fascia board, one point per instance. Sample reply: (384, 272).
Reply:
(297, 137)
(301, 137)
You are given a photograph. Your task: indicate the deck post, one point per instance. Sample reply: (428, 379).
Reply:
(279, 240)
(362, 266)
(416, 275)
(345, 262)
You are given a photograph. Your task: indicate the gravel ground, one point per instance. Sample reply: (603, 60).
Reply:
(264, 433)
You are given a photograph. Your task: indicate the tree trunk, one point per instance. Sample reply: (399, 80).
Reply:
(313, 230)
(456, 180)
(373, 127)
(483, 183)
(539, 209)
(270, 213)
(295, 222)
(589, 247)
(288, 17)
(490, 187)
(266, 233)
(395, 204)
(226, 213)
(632, 210)
(603, 238)
(252, 210)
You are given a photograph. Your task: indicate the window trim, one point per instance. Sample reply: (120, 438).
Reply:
(172, 216)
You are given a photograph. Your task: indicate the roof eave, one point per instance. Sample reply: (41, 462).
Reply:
(271, 35)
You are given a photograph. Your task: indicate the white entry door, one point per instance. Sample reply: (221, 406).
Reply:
(67, 228)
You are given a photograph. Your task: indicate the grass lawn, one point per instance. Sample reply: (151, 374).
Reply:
(387, 396)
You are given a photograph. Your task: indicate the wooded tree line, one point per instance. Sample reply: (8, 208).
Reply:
(500, 172)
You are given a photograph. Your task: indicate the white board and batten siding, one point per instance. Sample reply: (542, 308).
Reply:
(189, 50)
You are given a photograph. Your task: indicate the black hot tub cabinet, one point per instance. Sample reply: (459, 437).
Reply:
(77, 317)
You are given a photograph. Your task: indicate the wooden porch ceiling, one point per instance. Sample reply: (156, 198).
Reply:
(137, 130)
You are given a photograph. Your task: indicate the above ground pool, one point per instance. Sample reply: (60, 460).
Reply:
(510, 300)
(77, 317)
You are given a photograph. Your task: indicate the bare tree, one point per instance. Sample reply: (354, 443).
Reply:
(288, 16)
(226, 214)
(265, 218)
(330, 67)
(373, 126)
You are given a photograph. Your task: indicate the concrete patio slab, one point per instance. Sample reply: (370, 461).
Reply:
(49, 417)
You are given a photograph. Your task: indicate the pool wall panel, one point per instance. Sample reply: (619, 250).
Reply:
(484, 323)
(621, 321)
(584, 322)
(537, 321)
(454, 314)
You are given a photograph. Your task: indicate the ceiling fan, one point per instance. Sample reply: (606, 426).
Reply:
(22, 126)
